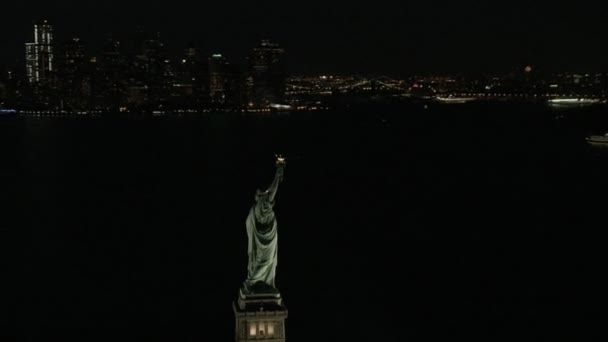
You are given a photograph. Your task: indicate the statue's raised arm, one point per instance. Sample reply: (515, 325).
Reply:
(278, 178)
(262, 233)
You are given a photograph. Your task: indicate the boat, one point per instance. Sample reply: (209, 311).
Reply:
(598, 140)
(454, 99)
(573, 101)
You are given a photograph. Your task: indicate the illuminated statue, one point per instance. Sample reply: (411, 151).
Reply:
(262, 233)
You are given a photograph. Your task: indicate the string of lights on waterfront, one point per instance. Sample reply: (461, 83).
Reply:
(138, 74)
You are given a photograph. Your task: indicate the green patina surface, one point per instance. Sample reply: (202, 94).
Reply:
(263, 239)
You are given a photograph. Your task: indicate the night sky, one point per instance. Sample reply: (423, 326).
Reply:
(321, 36)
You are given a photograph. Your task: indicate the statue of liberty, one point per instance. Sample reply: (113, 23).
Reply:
(262, 233)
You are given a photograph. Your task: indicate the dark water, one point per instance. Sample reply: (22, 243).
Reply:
(480, 221)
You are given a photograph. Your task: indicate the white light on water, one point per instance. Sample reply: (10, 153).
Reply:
(572, 100)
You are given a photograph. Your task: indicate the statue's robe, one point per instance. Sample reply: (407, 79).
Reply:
(262, 249)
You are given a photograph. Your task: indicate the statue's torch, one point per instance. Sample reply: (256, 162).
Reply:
(281, 161)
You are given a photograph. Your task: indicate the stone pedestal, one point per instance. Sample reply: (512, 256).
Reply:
(260, 317)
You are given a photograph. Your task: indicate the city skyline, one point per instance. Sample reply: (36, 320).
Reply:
(138, 73)
(44, 35)
(384, 38)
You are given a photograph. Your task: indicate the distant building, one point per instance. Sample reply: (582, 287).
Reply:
(267, 74)
(74, 51)
(218, 77)
(152, 70)
(190, 81)
(71, 58)
(39, 55)
(191, 52)
(112, 75)
(3, 89)
(73, 73)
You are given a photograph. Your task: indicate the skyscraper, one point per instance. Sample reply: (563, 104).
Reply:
(3, 91)
(218, 77)
(267, 74)
(112, 75)
(73, 73)
(189, 85)
(71, 57)
(39, 55)
(191, 52)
